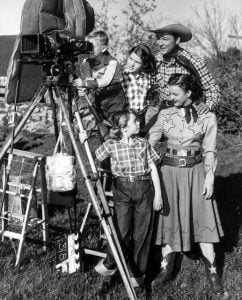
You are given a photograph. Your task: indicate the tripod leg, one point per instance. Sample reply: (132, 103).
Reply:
(54, 117)
(37, 98)
(107, 230)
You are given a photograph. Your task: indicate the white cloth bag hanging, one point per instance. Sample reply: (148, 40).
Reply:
(60, 169)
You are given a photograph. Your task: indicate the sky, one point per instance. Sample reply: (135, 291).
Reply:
(173, 10)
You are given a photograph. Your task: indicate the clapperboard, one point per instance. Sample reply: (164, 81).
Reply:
(68, 254)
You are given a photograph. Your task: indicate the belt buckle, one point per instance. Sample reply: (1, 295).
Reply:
(182, 162)
(181, 152)
(131, 179)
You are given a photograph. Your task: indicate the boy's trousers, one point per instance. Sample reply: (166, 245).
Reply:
(133, 218)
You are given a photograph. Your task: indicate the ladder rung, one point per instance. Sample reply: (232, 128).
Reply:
(13, 235)
(35, 222)
(103, 236)
(15, 194)
(110, 194)
(22, 186)
(27, 154)
(95, 253)
(11, 216)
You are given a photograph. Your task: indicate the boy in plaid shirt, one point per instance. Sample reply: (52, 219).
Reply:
(136, 193)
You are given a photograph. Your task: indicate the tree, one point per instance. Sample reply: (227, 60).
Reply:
(228, 71)
(211, 28)
(132, 30)
(136, 15)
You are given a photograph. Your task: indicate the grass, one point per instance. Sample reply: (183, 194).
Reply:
(37, 277)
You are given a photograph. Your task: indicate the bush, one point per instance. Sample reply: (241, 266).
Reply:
(228, 71)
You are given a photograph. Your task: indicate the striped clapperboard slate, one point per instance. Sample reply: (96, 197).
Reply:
(68, 254)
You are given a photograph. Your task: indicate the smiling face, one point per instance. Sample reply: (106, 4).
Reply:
(167, 42)
(179, 96)
(133, 126)
(134, 63)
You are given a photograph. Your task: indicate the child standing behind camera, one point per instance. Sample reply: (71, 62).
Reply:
(102, 73)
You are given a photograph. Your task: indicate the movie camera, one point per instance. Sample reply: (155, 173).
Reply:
(54, 51)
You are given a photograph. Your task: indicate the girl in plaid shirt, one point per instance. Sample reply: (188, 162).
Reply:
(136, 79)
(136, 192)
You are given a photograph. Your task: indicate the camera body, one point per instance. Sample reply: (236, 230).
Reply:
(54, 51)
(51, 46)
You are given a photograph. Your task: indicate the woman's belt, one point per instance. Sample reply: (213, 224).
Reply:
(182, 162)
(183, 152)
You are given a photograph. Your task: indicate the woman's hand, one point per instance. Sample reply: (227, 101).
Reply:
(158, 202)
(208, 187)
(83, 136)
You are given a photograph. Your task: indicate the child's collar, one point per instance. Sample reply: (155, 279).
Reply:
(137, 75)
(129, 140)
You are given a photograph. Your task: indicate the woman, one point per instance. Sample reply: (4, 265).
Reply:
(188, 177)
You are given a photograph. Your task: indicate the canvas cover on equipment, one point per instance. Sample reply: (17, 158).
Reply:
(74, 18)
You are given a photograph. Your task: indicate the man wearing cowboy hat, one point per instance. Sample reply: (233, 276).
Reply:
(173, 59)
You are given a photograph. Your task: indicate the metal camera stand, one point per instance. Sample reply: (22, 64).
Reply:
(102, 209)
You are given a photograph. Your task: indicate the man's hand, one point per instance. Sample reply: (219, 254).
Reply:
(157, 202)
(202, 108)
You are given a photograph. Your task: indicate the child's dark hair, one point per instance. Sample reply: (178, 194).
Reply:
(119, 121)
(187, 82)
(101, 36)
(146, 56)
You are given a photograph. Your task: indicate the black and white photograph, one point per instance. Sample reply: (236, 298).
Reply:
(121, 150)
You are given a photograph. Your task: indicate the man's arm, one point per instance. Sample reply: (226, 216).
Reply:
(211, 89)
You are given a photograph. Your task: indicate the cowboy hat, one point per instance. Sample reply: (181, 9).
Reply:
(178, 29)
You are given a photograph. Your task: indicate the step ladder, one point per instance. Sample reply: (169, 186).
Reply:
(25, 192)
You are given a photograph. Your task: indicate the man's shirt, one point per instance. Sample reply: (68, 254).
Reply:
(128, 159)
(136, 87)
(165, 69)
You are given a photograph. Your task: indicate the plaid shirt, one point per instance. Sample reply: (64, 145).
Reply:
(165, 69)
(136, 87)
(128, 159)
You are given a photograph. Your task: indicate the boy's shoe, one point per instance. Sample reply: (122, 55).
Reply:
(103, 270)
(137, 281)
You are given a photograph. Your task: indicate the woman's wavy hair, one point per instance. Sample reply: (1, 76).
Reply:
(188, 82)
(119, 121)
(146, 56)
